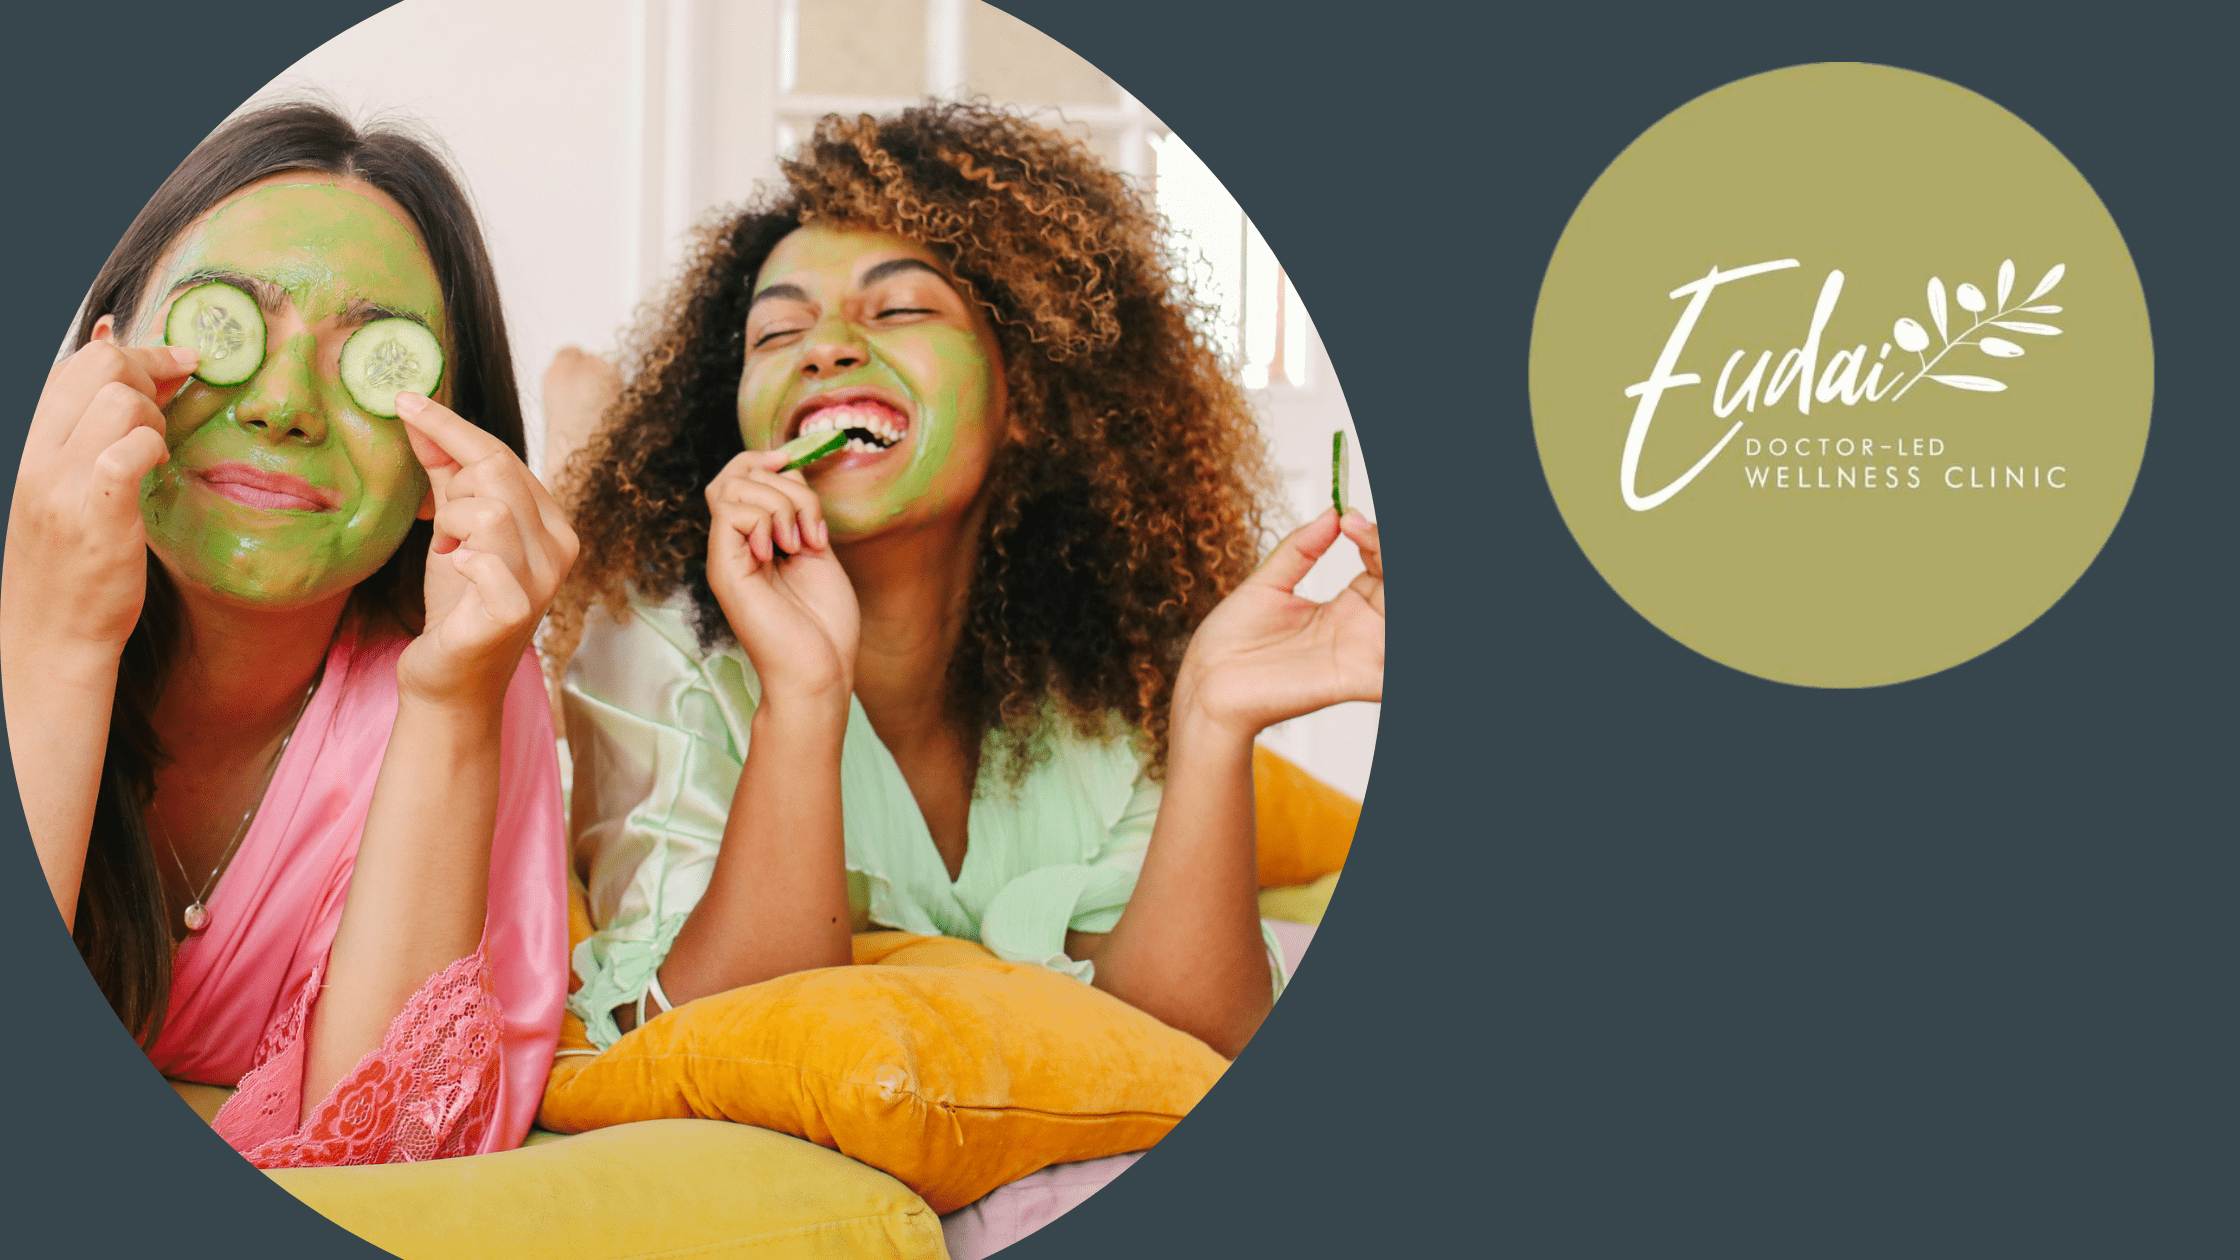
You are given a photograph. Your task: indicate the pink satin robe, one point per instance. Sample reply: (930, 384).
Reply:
(463, 1067)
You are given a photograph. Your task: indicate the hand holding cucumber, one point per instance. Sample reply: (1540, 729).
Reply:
(1266, 654)
(501, 548)
(770, 563)
(77, 550)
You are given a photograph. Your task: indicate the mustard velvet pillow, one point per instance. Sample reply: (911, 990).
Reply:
(931, 1060)
(1305, 826)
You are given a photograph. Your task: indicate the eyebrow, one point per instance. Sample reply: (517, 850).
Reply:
(789, 292)
(361, 311)
(270, 297)
(894, 266)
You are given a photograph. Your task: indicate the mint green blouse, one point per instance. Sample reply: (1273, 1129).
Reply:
(667, 726)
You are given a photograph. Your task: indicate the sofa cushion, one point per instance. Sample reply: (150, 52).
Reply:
(1305, 826)
(933, 1060)
(664, 1188)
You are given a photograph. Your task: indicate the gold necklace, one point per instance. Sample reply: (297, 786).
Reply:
(197, 914)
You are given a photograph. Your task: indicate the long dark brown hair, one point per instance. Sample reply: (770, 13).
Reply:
(1130, 498)
(123, 926)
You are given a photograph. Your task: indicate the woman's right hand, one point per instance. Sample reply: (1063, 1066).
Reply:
(77, 552)
(76, 577)
(770, 562)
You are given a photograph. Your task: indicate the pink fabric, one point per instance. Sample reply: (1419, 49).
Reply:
(466, 1060)
(428, 1092)
(1012, 1212)
(1294, 937)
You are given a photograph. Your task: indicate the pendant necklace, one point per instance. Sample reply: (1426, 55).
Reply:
(197, 916)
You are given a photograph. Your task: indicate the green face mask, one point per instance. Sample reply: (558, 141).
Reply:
(862, 330)
(280, 492)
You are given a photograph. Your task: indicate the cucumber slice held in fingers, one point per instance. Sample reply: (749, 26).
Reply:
(224, 324)
(811, 447)
(1341, 471)
(388, 357)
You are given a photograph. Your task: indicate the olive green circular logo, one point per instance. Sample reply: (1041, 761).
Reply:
(1841, 375)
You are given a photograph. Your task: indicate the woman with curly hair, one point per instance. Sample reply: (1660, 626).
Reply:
(992, 672)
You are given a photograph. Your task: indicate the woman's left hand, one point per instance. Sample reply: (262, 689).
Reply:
(1266, 654)
(501, 549)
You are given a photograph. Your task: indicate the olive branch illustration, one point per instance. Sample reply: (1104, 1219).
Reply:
(1912, 337)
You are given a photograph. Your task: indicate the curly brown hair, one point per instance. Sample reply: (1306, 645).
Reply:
(1126, 505)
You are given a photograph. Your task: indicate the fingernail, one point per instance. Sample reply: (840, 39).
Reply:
(824, 535)
(410, 404)
(185, 356)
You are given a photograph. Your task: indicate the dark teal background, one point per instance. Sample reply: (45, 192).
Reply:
(1636, 956)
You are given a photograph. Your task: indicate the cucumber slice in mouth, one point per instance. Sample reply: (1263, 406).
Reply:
(388, 357)
(811, 447)
(1341, 471)
(224, 324)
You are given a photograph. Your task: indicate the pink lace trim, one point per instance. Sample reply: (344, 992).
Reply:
(429, 1092)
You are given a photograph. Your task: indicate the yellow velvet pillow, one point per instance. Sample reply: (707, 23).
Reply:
(1305, 903)
(670, 1188)
(663, 1188)
(1305, 826)
(931, 1060)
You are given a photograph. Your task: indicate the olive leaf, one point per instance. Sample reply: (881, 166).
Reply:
(1911, 337)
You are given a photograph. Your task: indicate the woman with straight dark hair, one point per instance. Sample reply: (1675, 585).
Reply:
(272, 570)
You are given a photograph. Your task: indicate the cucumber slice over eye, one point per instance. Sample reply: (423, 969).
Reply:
(1341, 471)
(811, 447)
(388, 357)
(225, 325)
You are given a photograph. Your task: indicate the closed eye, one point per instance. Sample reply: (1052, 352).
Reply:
(772, 335)
(907, 310)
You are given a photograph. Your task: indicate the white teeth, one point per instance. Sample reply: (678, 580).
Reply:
(875, 420)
